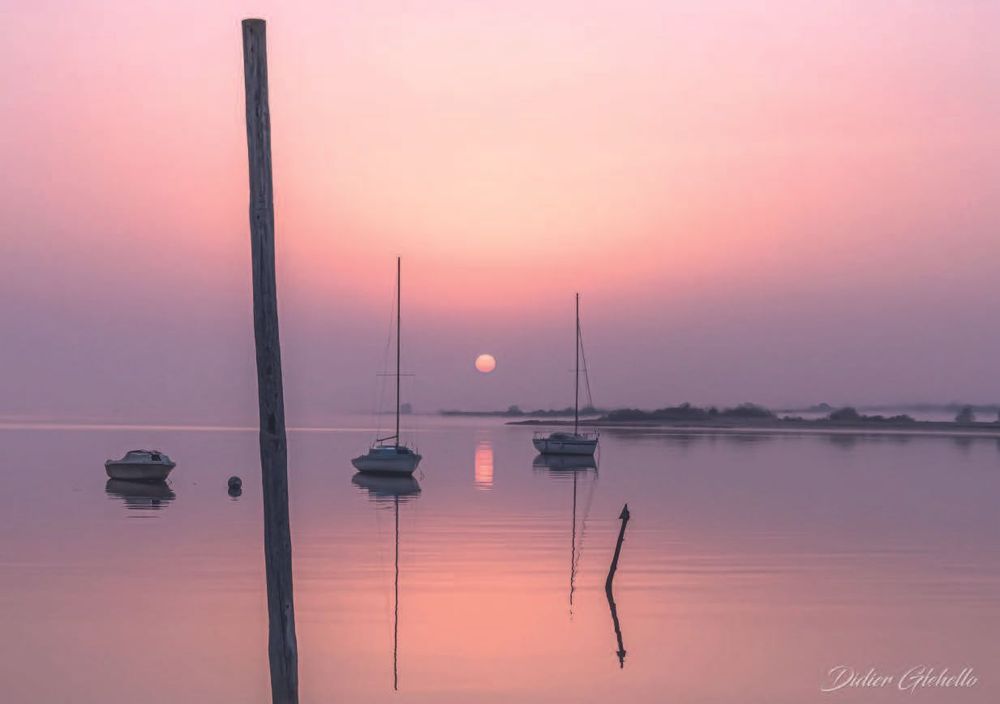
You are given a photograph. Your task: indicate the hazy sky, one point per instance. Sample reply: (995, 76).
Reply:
(781, 202)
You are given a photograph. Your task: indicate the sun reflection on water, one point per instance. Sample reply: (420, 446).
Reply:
(483, 469)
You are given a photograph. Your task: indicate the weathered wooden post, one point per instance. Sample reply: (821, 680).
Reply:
(624, 516)
(282, 647)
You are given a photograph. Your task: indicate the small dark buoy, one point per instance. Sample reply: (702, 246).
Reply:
(235, 486)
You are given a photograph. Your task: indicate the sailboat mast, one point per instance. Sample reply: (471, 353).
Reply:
(576, 389)
(399, 299)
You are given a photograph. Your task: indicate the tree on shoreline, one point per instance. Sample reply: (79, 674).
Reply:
(966, 415)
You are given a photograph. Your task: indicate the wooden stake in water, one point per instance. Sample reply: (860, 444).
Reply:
(624, 516)
(282, 647)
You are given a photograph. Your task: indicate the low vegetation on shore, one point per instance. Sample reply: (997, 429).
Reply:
(516, 412)
(687, 412)
(751, 415)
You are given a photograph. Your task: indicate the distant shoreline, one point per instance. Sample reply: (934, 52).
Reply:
(518, 413)
(916, 427)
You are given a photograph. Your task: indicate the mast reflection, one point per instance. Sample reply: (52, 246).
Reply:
(394, 490)
(566, 466)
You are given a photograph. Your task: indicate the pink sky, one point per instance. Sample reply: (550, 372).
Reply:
(790, 202)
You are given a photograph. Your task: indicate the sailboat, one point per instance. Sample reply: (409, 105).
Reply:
(575, 443)
(388, 455)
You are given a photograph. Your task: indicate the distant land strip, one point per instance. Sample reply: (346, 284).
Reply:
(516, 412)
(749, 416)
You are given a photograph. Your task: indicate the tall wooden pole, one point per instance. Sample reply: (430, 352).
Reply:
(282, 647)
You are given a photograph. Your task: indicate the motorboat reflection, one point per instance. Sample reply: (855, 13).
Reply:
(140, 495)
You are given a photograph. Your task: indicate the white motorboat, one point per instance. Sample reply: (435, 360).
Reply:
(140, 466)
(575, 443)
(388, 455)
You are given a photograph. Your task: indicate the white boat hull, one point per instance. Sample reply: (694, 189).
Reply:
(578, 445)
(387, 463)
(138, 471)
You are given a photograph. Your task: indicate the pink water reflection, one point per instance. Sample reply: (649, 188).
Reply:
(750, 567)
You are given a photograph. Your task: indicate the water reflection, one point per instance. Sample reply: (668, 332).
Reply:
(387, 489)
(617, 626)
(562, 467)
(483, 468)
(140, 496)
(729, 546)
(396, 490)
(845, 441)
(564, 463)
(963, 442)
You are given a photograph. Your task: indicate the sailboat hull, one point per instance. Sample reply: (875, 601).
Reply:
(566, 444)
(388, 462)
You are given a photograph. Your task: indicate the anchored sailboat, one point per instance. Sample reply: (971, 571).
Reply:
(388, 455)
(575, 443)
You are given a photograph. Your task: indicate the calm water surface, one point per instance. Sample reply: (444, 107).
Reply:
(751, 566)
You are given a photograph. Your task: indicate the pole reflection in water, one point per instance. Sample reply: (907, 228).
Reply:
(483, 468)
(383, 490)
(560, 466)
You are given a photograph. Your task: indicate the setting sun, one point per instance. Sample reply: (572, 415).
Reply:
(486, 363)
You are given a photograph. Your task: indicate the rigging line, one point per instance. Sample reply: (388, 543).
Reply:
(381, 546)
(586, 373)
(381, 387)
(586, 514)
(572, 559)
